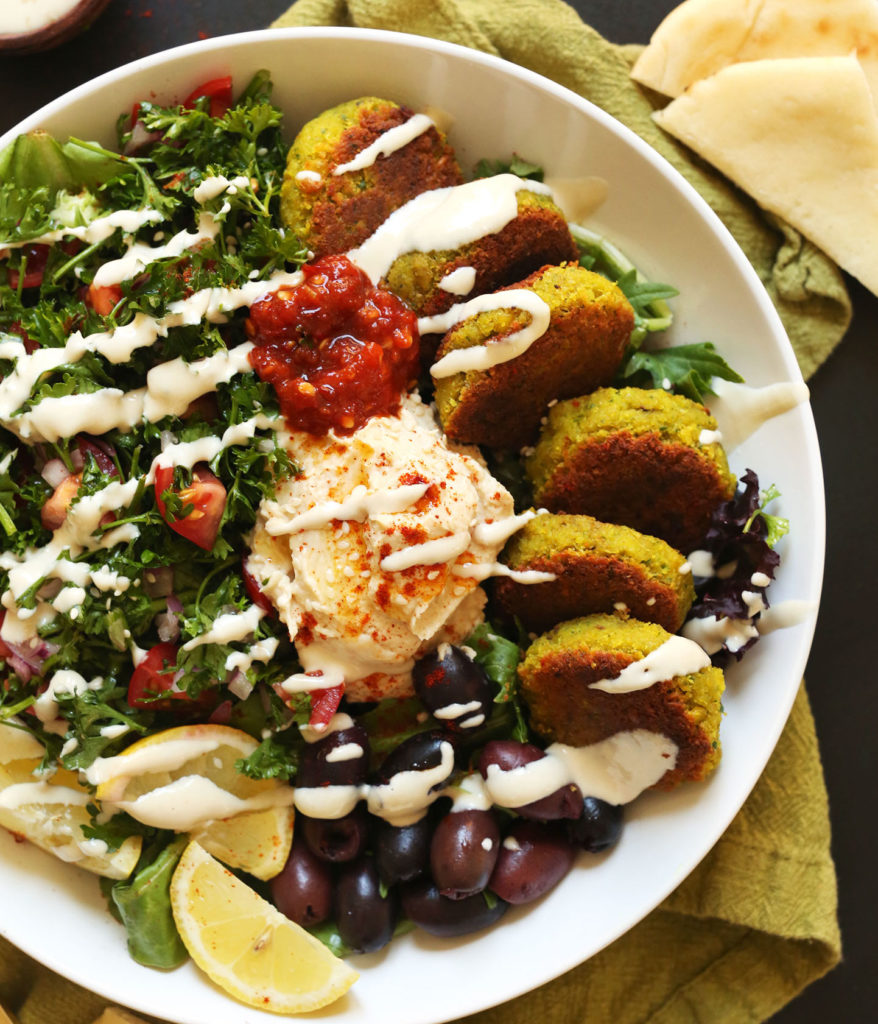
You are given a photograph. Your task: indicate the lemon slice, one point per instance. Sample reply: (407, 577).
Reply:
(257, 842)
(185, 779)
(50, 812)
(247, 946)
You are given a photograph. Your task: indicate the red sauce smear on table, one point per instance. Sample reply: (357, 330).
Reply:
(337, 350)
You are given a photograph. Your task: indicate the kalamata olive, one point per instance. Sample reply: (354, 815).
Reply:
(337, 840)
(303, 889)
(533, 858)
(401, 853)
(463, 852)
(365, 919)
(564, 802)
(429, 909)
(598, 827)
(453, 688)
(339, 759)
(418, 753)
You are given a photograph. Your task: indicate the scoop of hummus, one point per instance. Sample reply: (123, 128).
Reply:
(361, 552)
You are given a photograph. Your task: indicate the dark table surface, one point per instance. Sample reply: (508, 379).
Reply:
(843, 399)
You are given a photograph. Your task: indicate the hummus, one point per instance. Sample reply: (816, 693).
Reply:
(358, 551)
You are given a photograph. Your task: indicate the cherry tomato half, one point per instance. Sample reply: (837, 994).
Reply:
(155, 675)
(217, 90)
(207, 496)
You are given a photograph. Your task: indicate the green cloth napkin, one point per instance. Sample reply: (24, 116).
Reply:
(756, 921)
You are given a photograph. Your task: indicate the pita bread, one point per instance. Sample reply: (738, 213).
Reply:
(799, 135)
(700, 37)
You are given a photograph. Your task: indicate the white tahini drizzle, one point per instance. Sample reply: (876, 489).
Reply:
(357, 507)
(442, 219)
(501, 350)
(386, 143)
(740, 410)
(676, 656)
(459, 282)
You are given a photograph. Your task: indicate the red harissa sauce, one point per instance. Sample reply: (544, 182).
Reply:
(336, 349)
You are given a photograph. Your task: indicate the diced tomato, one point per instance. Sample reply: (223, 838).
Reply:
(207, 496)
(36, 256)
(217, 90)
(254, 591)
(54, 511)
(324, 704)
(103, 299)
(155, 676)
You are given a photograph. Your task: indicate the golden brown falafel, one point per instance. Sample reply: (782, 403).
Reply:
(560, 667)
(501, 407)
(642, 458)
(537, 235)
(333, 213)
(599, 567)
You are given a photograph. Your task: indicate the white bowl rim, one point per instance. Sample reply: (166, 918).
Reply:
(691, 196)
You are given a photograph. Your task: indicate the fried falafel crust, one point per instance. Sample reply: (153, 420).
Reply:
(538, 235)
(598, 567)
(636, 457)
(334, 213)
(590, 324)
(559, 668)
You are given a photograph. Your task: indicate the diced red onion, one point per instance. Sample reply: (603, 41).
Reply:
(168, 627)
(175, 605)
(19, 667)
(140, 137)
(55, 472)
(240, 685)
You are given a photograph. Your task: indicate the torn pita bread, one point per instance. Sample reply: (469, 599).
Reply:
(700, 37)
(799, 135)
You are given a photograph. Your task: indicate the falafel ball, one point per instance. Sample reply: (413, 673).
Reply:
(560, 669)
(599, 567)
(537, 235)
(590, 322)
(332, 212)
(642, 458)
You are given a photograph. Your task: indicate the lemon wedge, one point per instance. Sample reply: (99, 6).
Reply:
(246, 946)
(185, 779)
(50, 811)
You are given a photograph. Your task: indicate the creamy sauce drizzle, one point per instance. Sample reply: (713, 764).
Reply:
(676, 656)
(483, 357)
(459, 282)
(443, 219)
(616, 770)
(386, 143)
(741, 410)
(358, 507)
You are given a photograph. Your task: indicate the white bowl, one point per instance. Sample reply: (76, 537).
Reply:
(56, 914)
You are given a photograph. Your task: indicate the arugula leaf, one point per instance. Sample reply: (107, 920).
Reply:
(687, 369)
